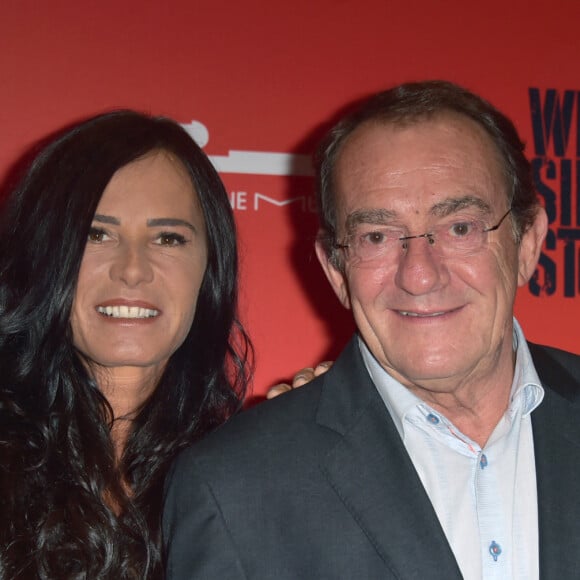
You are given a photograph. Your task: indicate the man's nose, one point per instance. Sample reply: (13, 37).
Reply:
(420, 268)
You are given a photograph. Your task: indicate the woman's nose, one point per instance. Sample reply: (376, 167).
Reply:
(132, 266)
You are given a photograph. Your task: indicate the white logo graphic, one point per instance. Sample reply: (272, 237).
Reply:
(254, 162)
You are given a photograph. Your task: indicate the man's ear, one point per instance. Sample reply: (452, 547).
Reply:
(531, 246)
(335, 276)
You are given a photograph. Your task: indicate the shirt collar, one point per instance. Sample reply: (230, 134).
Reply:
(526, 384)
(526, 391)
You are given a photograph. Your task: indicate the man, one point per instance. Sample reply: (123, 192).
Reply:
(440, 444)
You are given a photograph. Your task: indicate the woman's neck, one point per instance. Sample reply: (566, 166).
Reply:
(126, 390)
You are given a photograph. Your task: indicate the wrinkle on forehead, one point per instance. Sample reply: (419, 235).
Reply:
(373, 177)
(448, 123)
(443, 208)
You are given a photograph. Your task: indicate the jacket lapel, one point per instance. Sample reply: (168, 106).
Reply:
(371, 472)
(556, 425)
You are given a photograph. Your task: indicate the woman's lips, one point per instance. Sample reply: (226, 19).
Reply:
(127, 312)
(122, 309)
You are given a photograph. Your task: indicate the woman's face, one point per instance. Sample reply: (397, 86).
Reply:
(142, 268)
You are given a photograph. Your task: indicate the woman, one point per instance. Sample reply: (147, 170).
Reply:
(119, 343)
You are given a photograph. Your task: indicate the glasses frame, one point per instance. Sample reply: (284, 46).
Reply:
(430, 236)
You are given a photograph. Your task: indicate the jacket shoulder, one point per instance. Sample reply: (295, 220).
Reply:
(558, 369)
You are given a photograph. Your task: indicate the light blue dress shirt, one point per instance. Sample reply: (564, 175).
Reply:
(485, 499)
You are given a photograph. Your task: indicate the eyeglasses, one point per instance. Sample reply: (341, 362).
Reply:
(455, 238)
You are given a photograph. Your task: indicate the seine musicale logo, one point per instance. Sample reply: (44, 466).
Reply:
(258, 163)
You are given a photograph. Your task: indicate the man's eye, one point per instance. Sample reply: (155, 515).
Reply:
(97, 235)
(171, 239)
(461, 229)
(375, 238)
(380, 237)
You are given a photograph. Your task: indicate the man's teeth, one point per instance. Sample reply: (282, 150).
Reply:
(417, 314)
(127, 311)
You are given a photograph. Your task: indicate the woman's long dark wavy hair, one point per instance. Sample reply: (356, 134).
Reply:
(58, 474)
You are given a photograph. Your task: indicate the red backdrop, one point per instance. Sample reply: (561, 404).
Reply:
(264, 77)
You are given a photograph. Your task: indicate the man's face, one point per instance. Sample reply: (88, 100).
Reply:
(428, 318)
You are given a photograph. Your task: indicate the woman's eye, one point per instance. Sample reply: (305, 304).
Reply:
(97, 235)
(171, 239)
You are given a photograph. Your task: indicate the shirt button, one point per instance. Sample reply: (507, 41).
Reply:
(483, 461)
(494, 550)
(432, 418)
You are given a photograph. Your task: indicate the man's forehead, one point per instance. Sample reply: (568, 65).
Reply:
(469, 127)
(380, 158)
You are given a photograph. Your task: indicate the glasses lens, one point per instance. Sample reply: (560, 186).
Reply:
(375, 244)
(460, 237)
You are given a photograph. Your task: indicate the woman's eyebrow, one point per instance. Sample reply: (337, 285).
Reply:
(106, 219)
(152, 223)
(156, 222)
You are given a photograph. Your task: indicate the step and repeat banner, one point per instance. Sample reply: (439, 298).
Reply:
(257, 83)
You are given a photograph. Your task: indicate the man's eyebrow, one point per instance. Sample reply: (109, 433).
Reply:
(454, 204)
(157, 222)
(368, 216)
(449, 206)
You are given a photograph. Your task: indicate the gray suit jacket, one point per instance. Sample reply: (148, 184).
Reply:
(316, 484)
